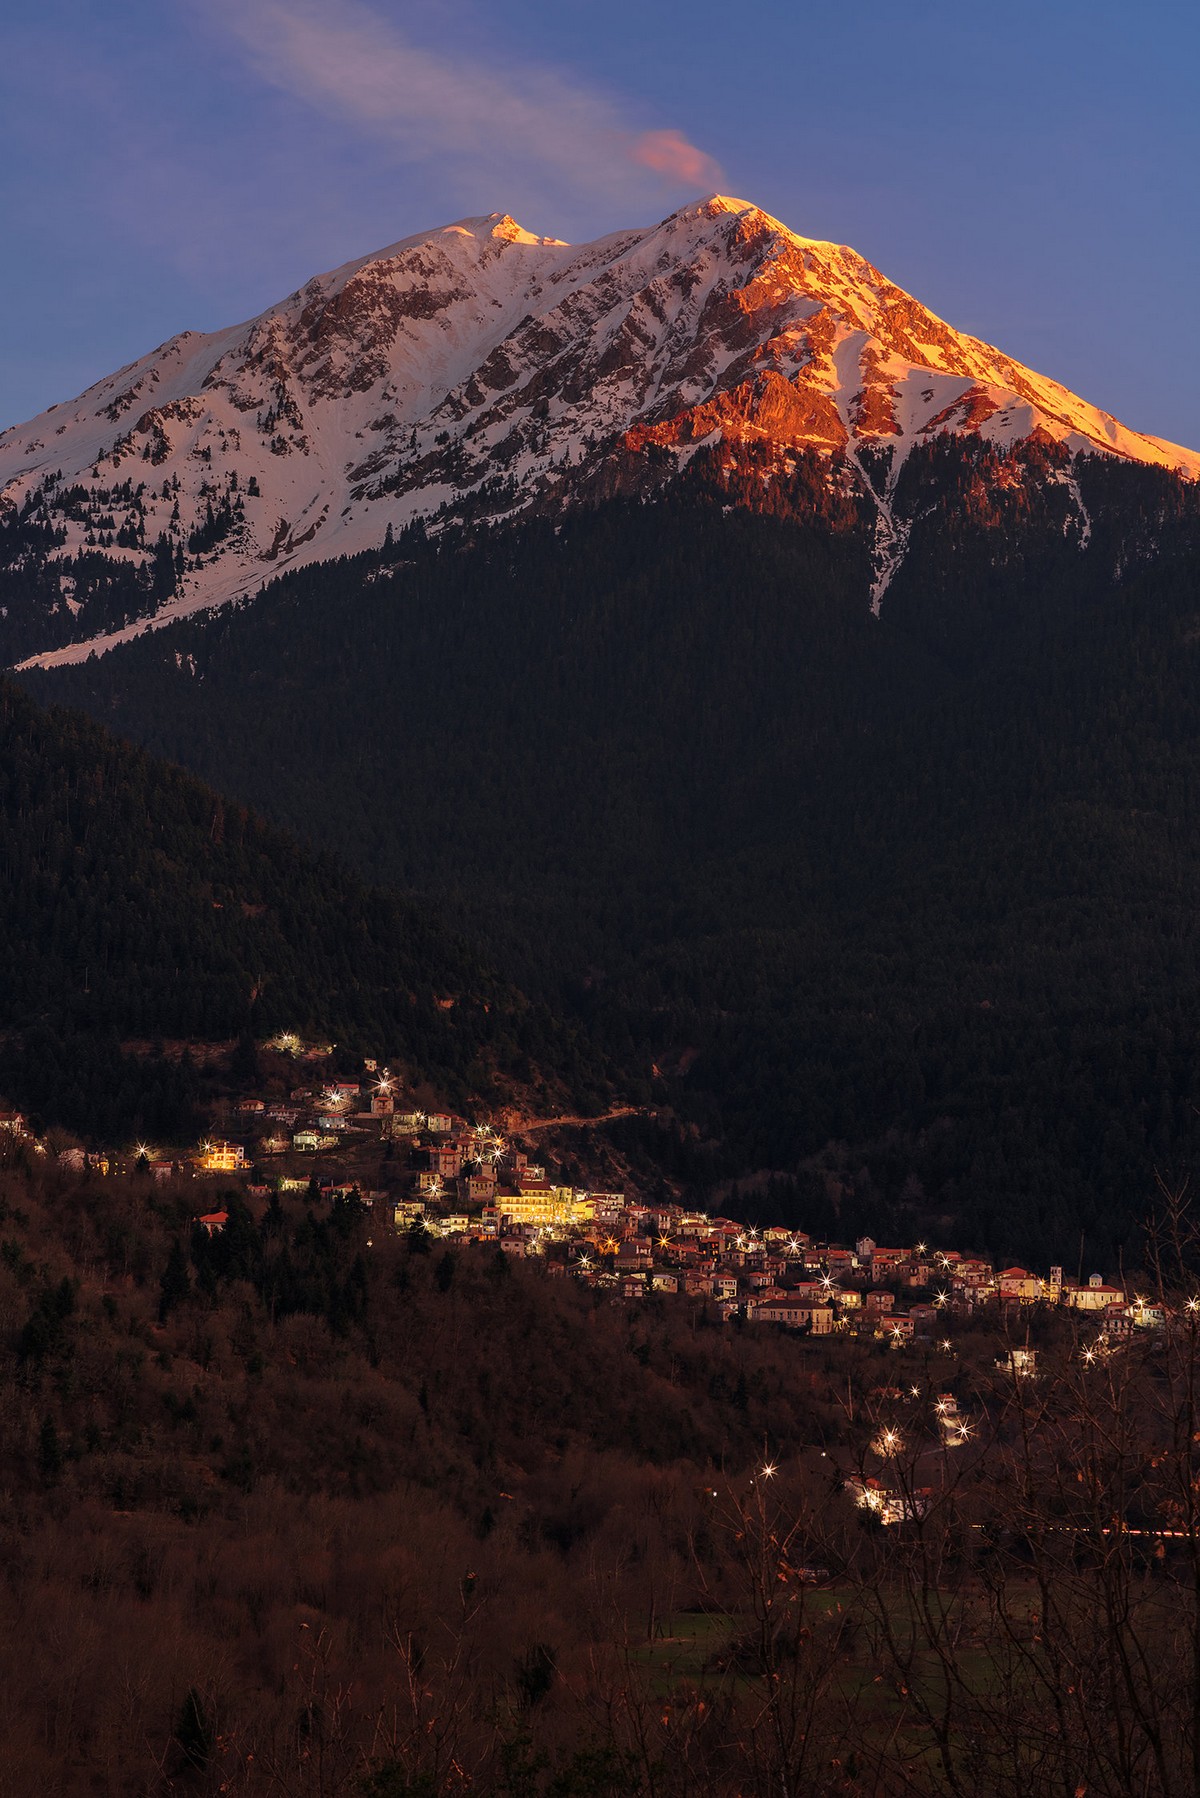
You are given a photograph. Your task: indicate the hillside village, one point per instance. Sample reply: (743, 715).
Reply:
(432, 1174)
(453, 1178)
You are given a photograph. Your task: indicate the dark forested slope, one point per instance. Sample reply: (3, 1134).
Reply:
(900, 904)
(313, 1507)
(314, 1473)
(137, 904)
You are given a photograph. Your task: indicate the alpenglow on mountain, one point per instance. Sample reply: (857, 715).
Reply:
(477, 371)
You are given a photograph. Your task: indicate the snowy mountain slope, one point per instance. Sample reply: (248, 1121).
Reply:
(478, 370)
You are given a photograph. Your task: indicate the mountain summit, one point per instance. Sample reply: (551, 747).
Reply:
(479, 370)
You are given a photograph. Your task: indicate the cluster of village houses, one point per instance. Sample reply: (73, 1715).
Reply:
(464, 1180)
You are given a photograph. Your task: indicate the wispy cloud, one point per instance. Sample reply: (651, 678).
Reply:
(670, 153)
(493, 124)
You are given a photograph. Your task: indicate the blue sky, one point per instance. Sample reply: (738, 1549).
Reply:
(1028, 170)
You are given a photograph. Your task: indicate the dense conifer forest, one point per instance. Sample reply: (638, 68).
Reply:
(900, 906)
(139, 908)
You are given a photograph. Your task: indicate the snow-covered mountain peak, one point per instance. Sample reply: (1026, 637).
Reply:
(501, 225)
(478, 369)
(725, 205)
(715, 206)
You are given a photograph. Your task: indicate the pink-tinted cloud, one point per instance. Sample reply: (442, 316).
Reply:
(497, 126)
(670, 153)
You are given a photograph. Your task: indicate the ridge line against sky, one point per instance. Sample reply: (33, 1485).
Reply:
(1029, 176)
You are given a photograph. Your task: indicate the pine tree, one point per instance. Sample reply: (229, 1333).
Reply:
(176, 1283)
(243, 1063)
(194, 1732)
(50, 1456)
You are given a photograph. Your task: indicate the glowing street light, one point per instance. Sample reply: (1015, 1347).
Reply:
(769, 1470)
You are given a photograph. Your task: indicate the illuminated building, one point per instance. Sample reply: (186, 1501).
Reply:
(539, 1203)
(221, 1158)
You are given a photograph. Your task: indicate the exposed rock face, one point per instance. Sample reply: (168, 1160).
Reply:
(478, 370)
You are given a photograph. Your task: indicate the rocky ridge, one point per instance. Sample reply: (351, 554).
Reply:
(477, 371)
